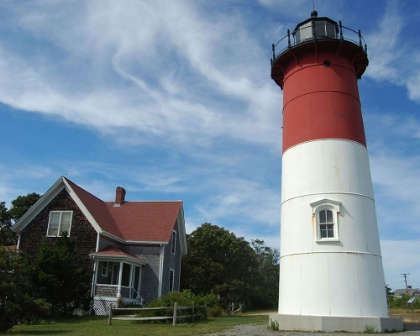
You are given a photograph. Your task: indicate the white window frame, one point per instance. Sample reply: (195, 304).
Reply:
(173, 242)
(334, 207)
(59, 225)
(171, 272)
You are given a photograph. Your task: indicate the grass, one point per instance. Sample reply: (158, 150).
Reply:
(99, 326)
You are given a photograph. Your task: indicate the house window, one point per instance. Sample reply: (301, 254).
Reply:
(104, 268)
(325, 212)
(60, 221)
(171, 280)
(108, 273)
(173, 242)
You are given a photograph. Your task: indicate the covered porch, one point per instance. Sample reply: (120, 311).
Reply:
(117, 275)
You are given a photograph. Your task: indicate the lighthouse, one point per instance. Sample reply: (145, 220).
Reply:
(331, 275)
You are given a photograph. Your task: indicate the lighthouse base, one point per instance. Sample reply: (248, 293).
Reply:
(336, 323)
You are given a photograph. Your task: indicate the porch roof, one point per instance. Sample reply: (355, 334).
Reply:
(114, 254)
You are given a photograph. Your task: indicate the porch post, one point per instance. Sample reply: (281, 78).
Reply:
(130, 284)
(139, 286)
(119, 280)
(94, 277)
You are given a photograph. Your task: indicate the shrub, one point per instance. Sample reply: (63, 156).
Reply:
(184, 298)
(401, 302)
(369, 329)
(214, 311)
(274, 325)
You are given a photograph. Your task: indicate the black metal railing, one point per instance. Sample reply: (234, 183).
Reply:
(285, 42)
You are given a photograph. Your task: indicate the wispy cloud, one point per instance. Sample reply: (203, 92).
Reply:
(392, 58)
(161, 98)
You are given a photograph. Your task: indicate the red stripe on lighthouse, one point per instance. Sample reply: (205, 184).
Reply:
(321, 101)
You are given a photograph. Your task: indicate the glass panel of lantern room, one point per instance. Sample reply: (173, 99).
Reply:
(325, 29)
(331, 29)
(303, 32)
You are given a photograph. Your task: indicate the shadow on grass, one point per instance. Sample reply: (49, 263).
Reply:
(37, 332)
(80, 319)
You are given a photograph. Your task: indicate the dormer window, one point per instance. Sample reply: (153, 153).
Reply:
(325, 212)
(60, 221)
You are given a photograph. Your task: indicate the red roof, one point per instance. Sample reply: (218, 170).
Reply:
(145, 221)
(132, 221)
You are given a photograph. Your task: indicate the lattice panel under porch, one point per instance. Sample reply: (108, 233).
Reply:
(101, 307)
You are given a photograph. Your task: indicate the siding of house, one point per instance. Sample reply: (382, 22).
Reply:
(150, 273)
(81, 230)
(172, 261)
(105, 242)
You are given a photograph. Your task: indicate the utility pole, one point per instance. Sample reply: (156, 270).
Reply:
(405, 278)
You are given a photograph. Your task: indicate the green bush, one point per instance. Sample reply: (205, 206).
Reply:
(214, 311)
(274, 325)
(401, 302)
(184, 298)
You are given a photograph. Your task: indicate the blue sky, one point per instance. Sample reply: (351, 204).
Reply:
(173, 100)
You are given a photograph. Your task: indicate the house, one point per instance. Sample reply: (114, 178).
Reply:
(409, 291)
(133, 247)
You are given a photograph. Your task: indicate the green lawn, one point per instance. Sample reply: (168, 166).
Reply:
(99, 326)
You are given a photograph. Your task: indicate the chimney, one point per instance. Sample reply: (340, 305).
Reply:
(119, 196)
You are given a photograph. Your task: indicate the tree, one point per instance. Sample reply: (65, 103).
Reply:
(7, 237)
(60, 277)
(22, 204)
(220, 263)
(7, 216)
(16, 303)
(266, 282)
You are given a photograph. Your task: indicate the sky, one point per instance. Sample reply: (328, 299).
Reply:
(173, 100)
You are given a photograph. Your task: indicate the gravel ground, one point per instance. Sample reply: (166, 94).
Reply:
(262, 330)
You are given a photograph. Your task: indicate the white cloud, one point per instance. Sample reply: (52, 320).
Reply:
(240, 199)
(136, 49)
(384, 48)
(393, 58)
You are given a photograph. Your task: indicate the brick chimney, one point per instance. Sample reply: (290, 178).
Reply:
(119, 196)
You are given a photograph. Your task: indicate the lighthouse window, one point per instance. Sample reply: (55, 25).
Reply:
(326, 213)
(326, 224)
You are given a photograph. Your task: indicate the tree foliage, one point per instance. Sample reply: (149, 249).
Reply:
(266, 284)
(220, 263)
(7, 237)
(16, 301)
(58, 275)
(8, 216)
(22, 204)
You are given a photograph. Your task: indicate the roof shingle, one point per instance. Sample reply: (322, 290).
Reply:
(151, 221)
